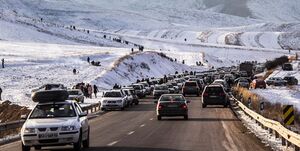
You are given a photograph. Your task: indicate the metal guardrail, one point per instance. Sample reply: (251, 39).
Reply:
(288, 137)
(18, 124)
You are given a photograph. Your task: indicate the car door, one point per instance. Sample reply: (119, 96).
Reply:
(83, 121)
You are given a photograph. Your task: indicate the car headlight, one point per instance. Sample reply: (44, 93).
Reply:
(29, 130)
(68, 128)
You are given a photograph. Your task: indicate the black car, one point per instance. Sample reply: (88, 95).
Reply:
(291, 80)
(172, 105)
(287, 67)
(214, 94)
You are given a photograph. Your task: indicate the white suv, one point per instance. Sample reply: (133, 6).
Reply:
(55, 123)
(113, 99)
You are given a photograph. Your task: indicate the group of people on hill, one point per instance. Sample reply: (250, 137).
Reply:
(87, 89)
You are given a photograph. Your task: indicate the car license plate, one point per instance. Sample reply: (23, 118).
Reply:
(48, 135)
(212, 96)
(172, 105)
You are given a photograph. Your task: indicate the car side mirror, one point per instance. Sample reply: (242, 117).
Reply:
(82, 114)
(155, 102)
(23, 117)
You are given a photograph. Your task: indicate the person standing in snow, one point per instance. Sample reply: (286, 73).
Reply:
(88, 59)
(95, 90)
(2, 60)
(0, 94)
(74, 71)
(90, 90)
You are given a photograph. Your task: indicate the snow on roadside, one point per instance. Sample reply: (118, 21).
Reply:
(264, 135)
(281, 95)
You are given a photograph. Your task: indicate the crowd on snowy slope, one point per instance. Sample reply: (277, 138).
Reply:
(87, 89)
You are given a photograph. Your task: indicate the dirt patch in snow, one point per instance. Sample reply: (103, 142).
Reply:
(11, 112)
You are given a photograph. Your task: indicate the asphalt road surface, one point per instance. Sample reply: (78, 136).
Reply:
(137, 129)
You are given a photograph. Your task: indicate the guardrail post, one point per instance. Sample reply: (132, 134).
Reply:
(289, 143)
(296, 148)
(276, 134)
(283, 141)
(270, 131)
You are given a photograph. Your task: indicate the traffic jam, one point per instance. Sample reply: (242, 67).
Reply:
(58, 118)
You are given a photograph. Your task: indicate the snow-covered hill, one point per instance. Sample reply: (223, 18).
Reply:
(30, 65)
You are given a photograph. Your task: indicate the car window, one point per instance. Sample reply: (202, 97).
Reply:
(78, 108)
(112, 94)
(161, 87)
(137, 87)
(172, 98)
(73, 92)
(190, 84)
(214, 90)
(52, 111)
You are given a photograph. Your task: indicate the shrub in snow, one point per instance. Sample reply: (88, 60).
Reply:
(145, 66)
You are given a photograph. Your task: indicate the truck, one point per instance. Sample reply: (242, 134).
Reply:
(248, 67)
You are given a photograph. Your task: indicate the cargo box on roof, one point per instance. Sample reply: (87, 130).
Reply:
(49, 96)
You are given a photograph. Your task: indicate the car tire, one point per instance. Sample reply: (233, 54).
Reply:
(77, 145)
(158, 117)
(25, 148)
(203, 105)
(86, 143)
(122, 108)
(37, 147)
(186, 117)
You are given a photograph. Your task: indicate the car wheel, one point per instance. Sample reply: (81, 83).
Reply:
(122, 108)
(77, 145)
(203, 105)
(86, 143)
(25, 148)
(186, 117)
(37, 147)
(158, 117)
(103, 109)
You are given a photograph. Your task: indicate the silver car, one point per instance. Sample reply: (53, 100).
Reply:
(76, 94)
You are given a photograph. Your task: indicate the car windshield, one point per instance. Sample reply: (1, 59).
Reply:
(190, 84)
(243, 80)
(73, 92)
(127, 92)
(161, 87)
(112, 94)
(137, 87)
(52, 111)
(172, 98)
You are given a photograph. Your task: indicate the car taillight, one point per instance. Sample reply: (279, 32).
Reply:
(160, 107)
(184, 106)
(222, 94)
(205, 94)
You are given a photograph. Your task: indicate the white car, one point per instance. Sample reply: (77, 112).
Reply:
(113, 99)
(76, 94)
(55, 124)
